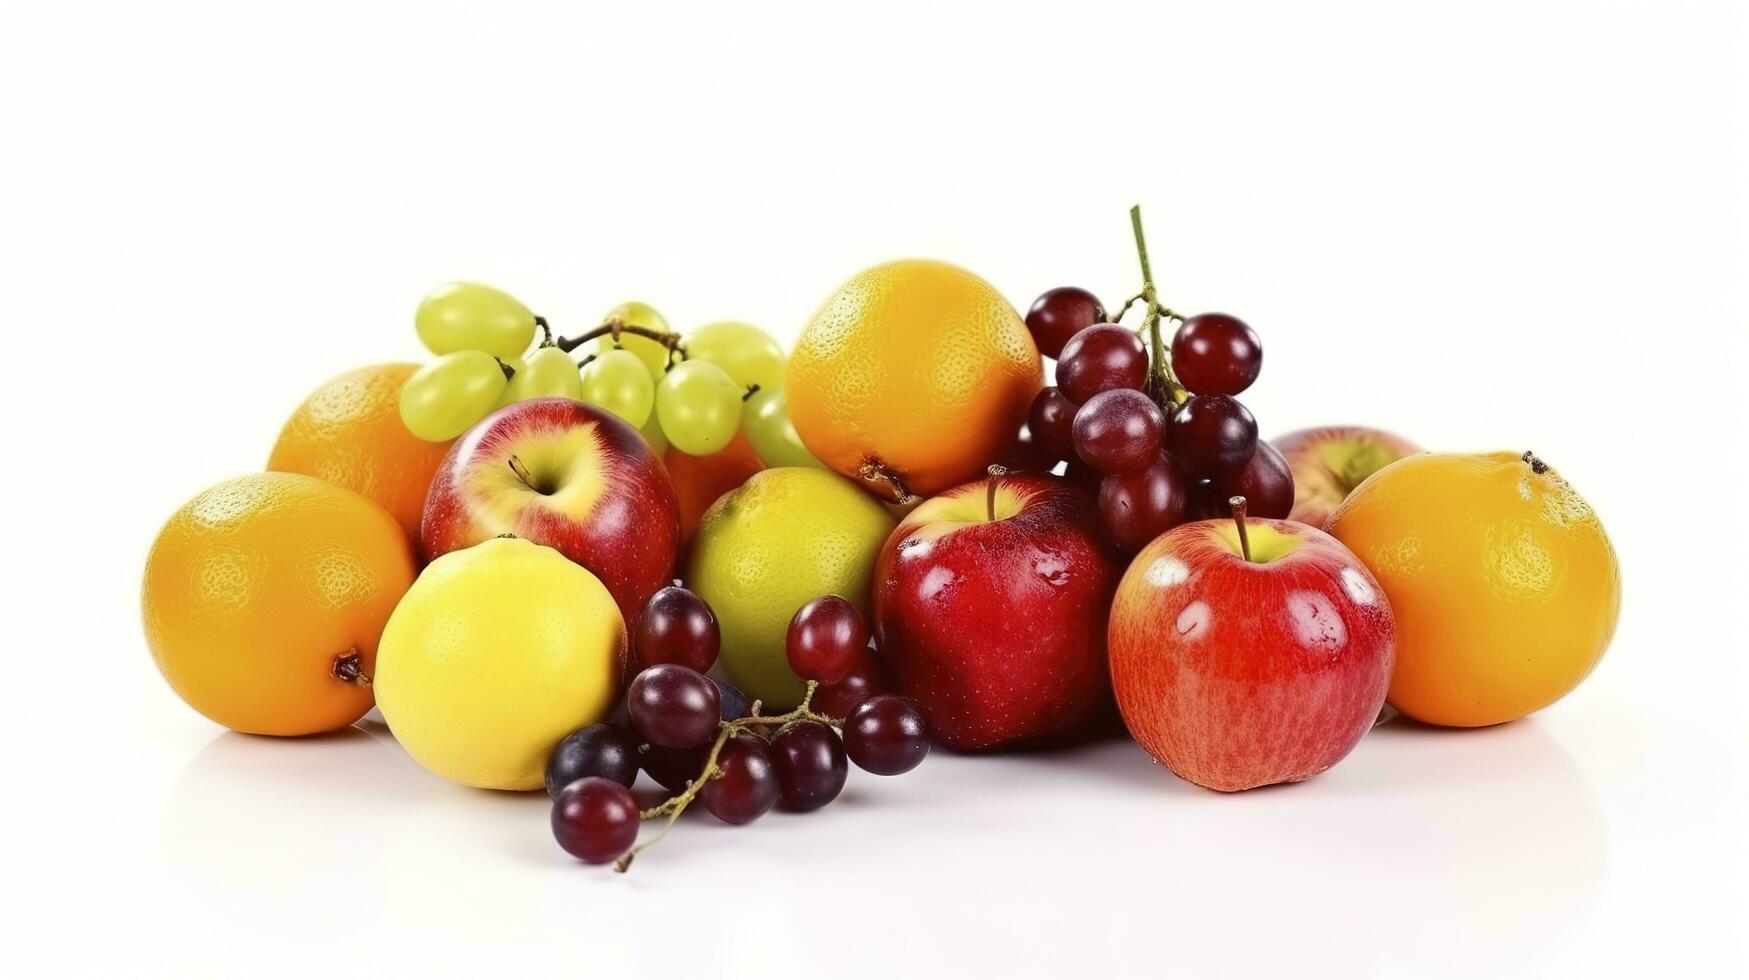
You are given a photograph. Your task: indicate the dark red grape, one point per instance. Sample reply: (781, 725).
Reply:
(864, 681)
(1135, 508)
(747, 785)
(674, 706)
(886, 735)
(1025, 455)
(810, 765)
(1210, 435)
(1119, 431)
(1216, 354)
(1060, 314)
(595, 819)
(673, 768)
(1051, 420)
(676, 627)
(1207, 503)
(1265, 481)
(1083, 476)
(826, 639)
(735, 703)
(1100, 358)
(607, 751)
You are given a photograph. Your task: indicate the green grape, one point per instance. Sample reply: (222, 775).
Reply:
(510, 397)
(699, 406)
(468, 316)
(445, 398)
(653, 353)
(620, 383)
(548, 372)
(772, 435)
(749, 354)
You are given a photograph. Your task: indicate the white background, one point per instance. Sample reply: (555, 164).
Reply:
(1492, 225)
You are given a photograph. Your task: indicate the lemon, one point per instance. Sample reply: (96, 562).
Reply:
(495, 654)
(784, 537)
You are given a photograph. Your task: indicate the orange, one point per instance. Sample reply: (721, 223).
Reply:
(912, 378)
(700, 480)
(349, 432)
(1504, 585)
(260, 590)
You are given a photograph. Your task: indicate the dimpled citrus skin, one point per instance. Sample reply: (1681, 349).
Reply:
(1503, 582)
(349, 432)
(786, 536)
(253, 589)
(496, 653)
(917, 366)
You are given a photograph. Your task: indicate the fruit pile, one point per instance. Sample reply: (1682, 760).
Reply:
(576, 562)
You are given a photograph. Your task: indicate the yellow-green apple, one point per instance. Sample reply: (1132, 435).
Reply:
(566, 475)
(1328, 462)
(1248, 651)
(989, 607)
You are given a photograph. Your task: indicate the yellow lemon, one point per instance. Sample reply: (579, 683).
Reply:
(496, 653)
(765, 549)
(1504, 586)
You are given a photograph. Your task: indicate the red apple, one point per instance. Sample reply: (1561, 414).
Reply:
(566, 475)
(1330, 461)
(1240, 663)
(989, 610)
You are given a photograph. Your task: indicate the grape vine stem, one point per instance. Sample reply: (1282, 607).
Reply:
(677, 804)
(1171, 393)
(614, 327)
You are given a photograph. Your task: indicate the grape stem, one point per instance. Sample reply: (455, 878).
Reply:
(1238, 505)
(614, 326)
(349, 667)
(676, 804)
(1170, 392)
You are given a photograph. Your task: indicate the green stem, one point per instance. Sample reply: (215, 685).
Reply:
(1172, 392)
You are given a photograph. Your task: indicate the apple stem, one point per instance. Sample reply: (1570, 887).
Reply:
(996, 472)
(676, 804)
(1169, 392)
(522, 473)
(349, 667)
(1238, 505)
(1537, 466)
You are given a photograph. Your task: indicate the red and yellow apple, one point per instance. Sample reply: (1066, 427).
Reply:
(989, 606)
(1243, 662)
(567, 475)
(1328, 462)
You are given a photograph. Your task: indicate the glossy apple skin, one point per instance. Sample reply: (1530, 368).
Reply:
(997, 628)
(610, 507)
(1238, 674)
(1328, 462)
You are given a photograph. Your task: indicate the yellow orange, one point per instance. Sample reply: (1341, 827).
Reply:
(349, 432)
(1504, 585)
(258, 589)
(914, 371)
